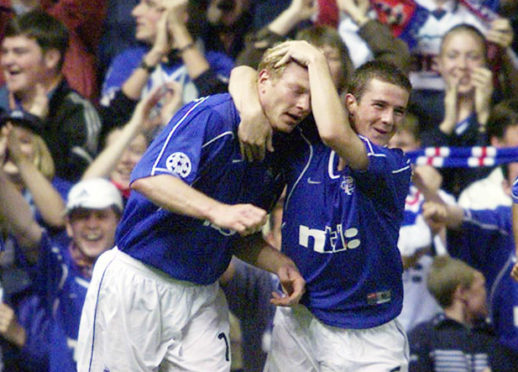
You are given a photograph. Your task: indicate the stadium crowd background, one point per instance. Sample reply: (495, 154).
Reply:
(130, 65)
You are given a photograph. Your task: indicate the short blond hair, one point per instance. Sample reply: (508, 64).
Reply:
(446, 275)
(269, 61)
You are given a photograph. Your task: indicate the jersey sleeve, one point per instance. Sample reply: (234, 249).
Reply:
(482, 235)
(488, 222)
(51, 271)
(36, 322)
(387, 178)
(179, 148)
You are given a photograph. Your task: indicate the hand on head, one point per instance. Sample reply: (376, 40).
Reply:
(299, 51)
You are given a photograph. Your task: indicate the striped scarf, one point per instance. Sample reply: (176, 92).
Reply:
(463, 157)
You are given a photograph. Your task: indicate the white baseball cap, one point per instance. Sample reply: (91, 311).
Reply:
(95, 193)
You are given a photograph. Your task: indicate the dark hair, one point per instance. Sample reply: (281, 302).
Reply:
(321, 36)
(464, 27)
(502, 116)
(381, 70)
(46, 30)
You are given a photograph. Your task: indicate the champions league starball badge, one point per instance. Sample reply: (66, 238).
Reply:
(179, 163)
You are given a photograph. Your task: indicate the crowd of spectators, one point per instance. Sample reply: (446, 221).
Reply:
(86, 86)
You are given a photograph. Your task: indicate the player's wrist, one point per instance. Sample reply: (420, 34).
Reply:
(154, 56)
(285, 264)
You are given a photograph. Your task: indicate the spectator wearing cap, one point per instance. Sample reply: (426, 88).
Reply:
(92, 213)
(32, 54)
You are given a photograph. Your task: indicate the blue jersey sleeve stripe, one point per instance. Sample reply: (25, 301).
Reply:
(166, 142)
(228, 133)
(368, 143)
(370, 149)
(160, 170)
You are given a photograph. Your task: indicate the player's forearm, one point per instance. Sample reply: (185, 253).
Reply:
(244, 94)
(331, 117)
(454, 216)
(257, 252)
(176, 196)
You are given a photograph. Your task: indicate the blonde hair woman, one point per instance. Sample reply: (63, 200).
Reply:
(27, 161)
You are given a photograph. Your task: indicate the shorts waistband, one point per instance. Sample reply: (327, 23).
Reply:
(150, 271)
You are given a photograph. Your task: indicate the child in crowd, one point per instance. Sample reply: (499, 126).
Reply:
(458, 338)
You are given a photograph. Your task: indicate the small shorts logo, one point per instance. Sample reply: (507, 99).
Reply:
(179, 163)
(378, 298)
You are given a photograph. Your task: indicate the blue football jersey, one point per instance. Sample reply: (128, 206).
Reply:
(125, 63)
(341, 228)
(200, 147)
(62, 286)
(486, 242)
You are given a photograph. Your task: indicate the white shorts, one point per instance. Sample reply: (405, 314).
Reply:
(136, 318)
(301, 343)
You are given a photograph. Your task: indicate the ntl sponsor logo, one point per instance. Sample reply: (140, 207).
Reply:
(339, 240)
